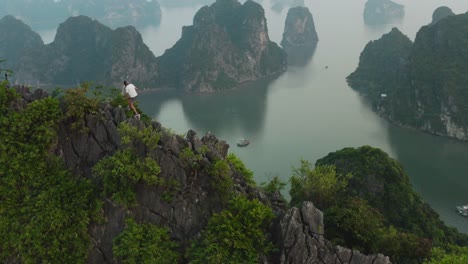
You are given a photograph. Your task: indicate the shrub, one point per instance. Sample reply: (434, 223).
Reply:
(220, 179)
(147, 136)
(145, 243)
(319, 185)
(78, 105)
(122, 171)
(275, 185)
(240, 167)
(451, 255)
(235, 235)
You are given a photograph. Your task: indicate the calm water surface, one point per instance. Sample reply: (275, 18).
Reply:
(310, 111)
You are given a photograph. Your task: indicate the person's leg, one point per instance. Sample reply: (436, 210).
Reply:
(130, 103)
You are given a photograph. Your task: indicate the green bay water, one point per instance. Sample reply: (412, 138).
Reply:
(310, 111)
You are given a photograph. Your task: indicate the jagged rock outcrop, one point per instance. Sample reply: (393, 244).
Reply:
(228, 44)
(440, 13)
(47, 14)
(15, 39)
(86, 50)
(299, 37)
(299, 234)
(424, 83)
(378, 12)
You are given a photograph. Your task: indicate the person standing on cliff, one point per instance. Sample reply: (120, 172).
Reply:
(130, 93)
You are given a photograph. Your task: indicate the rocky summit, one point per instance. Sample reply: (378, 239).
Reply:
(378, 12)
(440, 13)
(421, 84)
(228, 44)
(299, 37)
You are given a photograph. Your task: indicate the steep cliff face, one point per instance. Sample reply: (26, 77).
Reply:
(47, 14)
(227, 44)
(189, 201)
(426, 86)
(16, 38)
(299, 37)
(382, 12)
(299, 236)
(86, 50)
(440, 13)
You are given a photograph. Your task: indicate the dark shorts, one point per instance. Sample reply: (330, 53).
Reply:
(132, 99)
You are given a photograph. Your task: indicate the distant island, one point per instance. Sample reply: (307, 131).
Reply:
(423, 84)
(113, 13)
(299, 37)
(83, 50)
(227, 45)
(377, 12)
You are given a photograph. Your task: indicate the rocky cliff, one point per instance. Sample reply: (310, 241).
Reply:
(440, 13)
(228, 44)
(189, 191)
(47, 14)
(382, 12)
(299, 37)
(424, 84)
(85, 50)
(15, 39)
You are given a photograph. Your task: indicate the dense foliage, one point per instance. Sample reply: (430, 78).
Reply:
(44, 211)
(321, 185)
(145, 244)
(450, 255)
(122, 171)
(377, 211)
(235, 235)
(240, 168)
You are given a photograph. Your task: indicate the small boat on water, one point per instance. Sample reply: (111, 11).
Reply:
(463, 210)
(243, 143)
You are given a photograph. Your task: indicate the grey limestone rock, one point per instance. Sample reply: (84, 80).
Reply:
(299, 237)
(299, 37)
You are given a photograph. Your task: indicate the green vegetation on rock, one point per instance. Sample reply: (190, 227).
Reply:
(44, 211)
(145, 244)
(452, 255)
(235, 235)
(400, 224)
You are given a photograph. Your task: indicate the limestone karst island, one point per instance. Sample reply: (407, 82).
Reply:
(238, 132)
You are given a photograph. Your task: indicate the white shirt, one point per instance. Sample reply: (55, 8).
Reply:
(130, 89)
